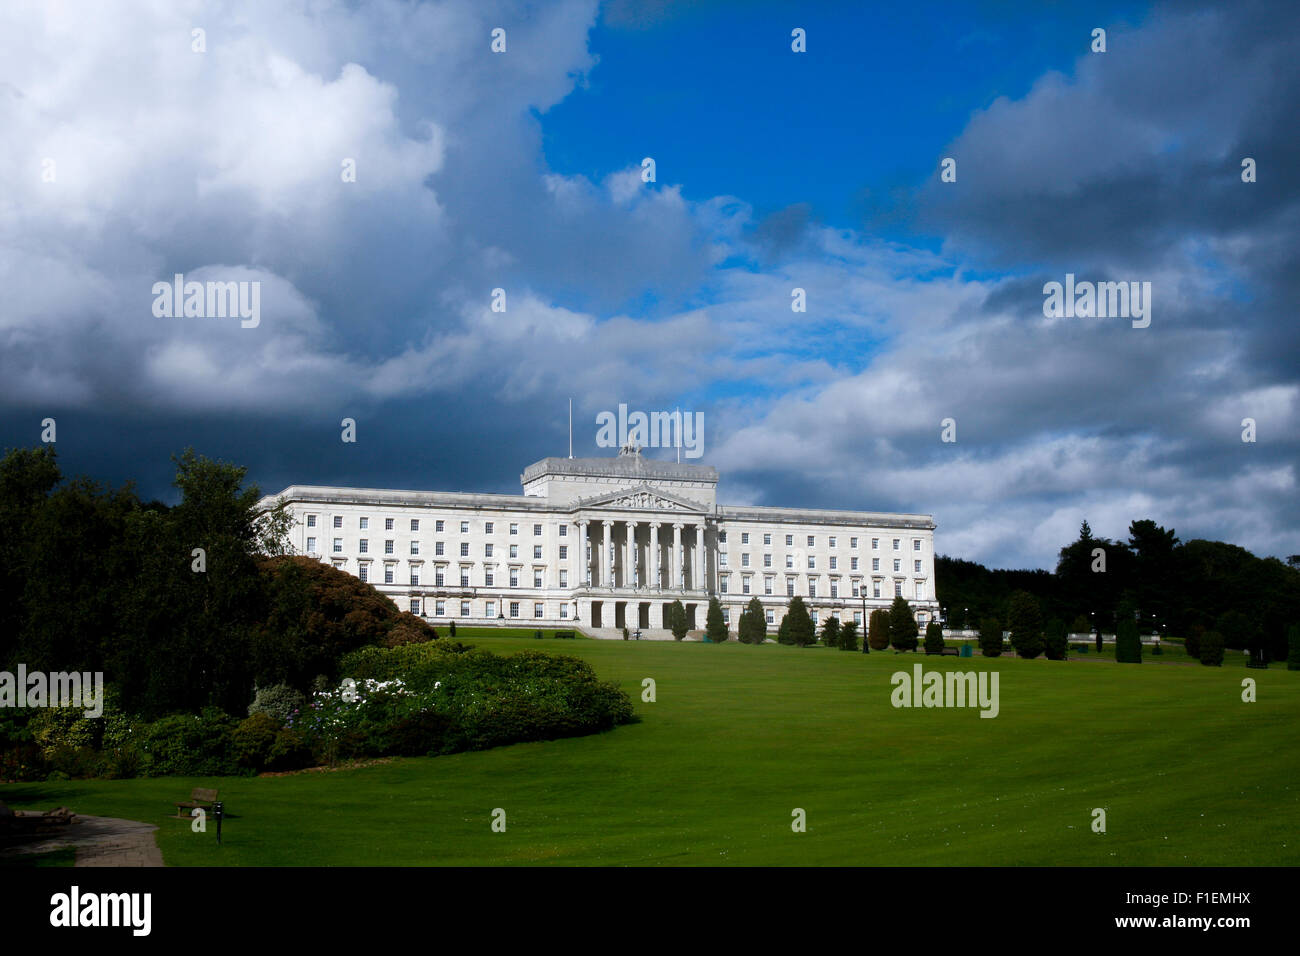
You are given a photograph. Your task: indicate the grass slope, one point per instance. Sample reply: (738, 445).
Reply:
(740, 736)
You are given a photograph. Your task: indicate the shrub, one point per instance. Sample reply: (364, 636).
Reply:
(902, 625)
(849, 636)
(934, 637)
(1293, 648)
(1128, 645)
(1212, 649)
(280, 701)
(1028, 644)
(537, 634)
(878, 629)
(1192, 642)
(801, 630)
(451, 628)
(252, 739)
(677, 620)
(714, 627)
(757, 619)
(186, 745)
(991, 637)
(626, 635)
(831, 631)
(1055, 641)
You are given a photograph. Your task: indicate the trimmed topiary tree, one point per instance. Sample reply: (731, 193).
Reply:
(831, 631)
(1192, 642)
(849, 636)
(757, 621)
(934, 638)
(1128, 645)
(1212, 649)
(802, 631)
(1055, 640)
(991, 637)
(714, 626)
(1293, 648)
(677, 620)
(1025, 622)
(878, 629)
(902, 625)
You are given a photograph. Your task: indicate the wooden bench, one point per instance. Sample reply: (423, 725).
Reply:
(943, 652)
(564, 634)
(201, 798)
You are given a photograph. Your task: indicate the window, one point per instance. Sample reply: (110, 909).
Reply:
(812, 587)
(853, 564)
(388, 546)
(415, 605)
(832, 542)
(916, 566)
(767, 585)
(514, 529)
(767, 560)
(875, 544)
(338, 521)
(835, 589)
(487, 550)
(437, 548)
(855, 589)
(920, 590)
(363, 545)
(537, 552)
(789, 587)
(311, 545)
(744, 584)
(464, 549)
(875, 564)
(487, 527)
(439, 578)
(537, 610)
(564, 612)
(388, 524)
(916, 544)
(415, 576)
(722, 537)
(875, 589)
(726, 615)
(338, 544)
(564, 551)
(363, 572)
(811, 540)
(789, 540)
(490, 609)
(812, 562)
(897, 542)
(537, 530)
(415, 524)
(898, 589)
(388, 574)
(857, 618)
(439, 609)
(438, 527)
(537, 579)
(834, 562)
(723, 581)
(771, 616)
(514, 551)
(789, 560)
(722, 560)
(853, 542)
(744, 537)
(488, 578)
(464, 608)
(564, 533)
(767, 539)
(339, 564)
(365, 524)
(564, 579)
(813, 615)
(514, 579)
(896, 563)
(311, 521)
(464, 527)
(415, 547)
(744, 560)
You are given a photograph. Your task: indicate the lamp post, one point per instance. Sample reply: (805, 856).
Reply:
(866, 648)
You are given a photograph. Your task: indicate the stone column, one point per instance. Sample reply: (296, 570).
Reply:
(704, 556)
(586, 547)
(678, 567)
(654, 552)
(635, 564)
(606, 559)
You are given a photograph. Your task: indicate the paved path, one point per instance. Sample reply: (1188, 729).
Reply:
(104, 841)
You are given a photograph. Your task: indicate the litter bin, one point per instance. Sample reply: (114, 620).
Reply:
(967, 651)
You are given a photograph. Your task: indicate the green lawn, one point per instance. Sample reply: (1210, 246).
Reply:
(740, 736)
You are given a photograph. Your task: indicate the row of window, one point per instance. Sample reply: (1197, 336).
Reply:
(511, 609)
(363, 547)
(363, 523)
(812, 588)
(770, 614)
(440, 577)
(812, 541)
(812, 562)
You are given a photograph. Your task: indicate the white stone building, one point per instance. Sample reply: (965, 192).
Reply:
(611, 542)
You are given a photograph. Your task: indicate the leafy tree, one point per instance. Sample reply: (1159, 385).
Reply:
(1056, 642)
(934, 637)
(1128, 644)
(831, 631)
(802, 631)
(1239, 630)
(1025, 621)
(1080, 625)
(848, 636)
(1212, 649)
(714, 626)
(991, 637)
(902, 625)
(677, 622)
(878, 629)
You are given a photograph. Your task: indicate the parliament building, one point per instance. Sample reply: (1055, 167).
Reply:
(600, 544)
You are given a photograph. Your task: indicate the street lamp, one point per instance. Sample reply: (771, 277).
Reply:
(866, 648)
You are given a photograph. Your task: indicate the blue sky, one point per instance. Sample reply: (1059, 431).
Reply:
(775, 171)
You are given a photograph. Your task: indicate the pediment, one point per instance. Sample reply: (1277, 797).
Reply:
(643, 497)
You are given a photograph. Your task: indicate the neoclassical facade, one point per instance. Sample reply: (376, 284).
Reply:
(603, 543)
